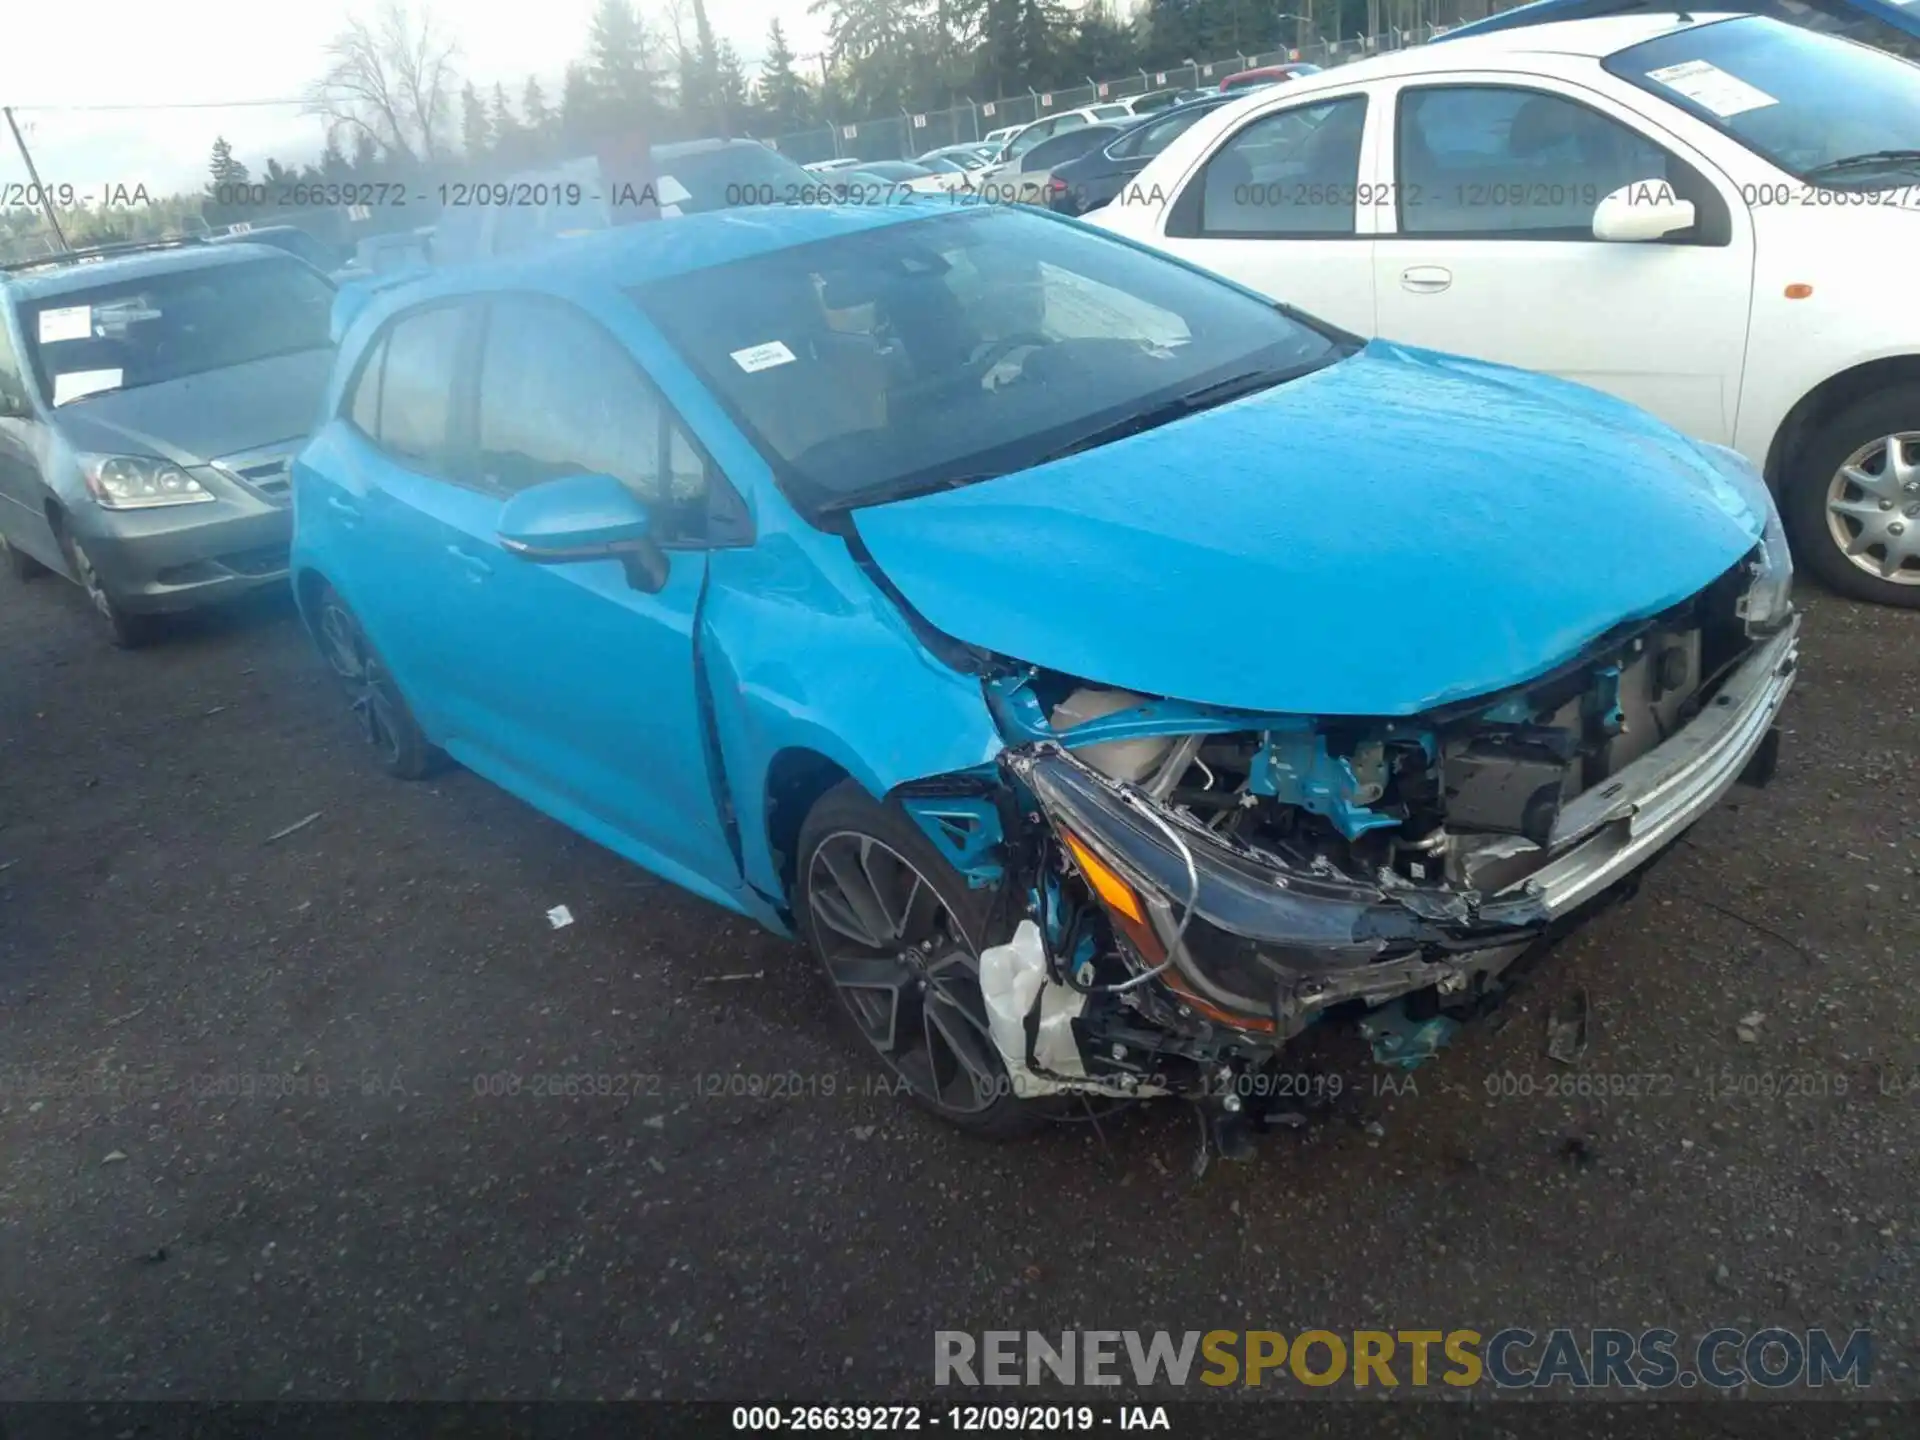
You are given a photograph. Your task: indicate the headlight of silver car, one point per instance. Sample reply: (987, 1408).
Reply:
(1769, 600)
(139, 482)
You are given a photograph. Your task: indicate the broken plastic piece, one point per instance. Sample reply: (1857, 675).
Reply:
(1399, 1039)
(559, 916)
(1567, 1029)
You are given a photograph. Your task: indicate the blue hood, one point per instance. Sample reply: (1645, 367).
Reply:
(1396, 531)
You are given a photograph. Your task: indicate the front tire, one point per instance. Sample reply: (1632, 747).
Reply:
(127, 629)
(1852, 501)
(399, 745)
(898, 933)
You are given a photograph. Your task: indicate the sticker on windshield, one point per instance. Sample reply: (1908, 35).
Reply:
(1711, 88)
(75, 384)
(69, 322)
(762, 357)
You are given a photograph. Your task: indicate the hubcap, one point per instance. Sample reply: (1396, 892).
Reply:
(1873, 508)
(368, 694)
(905, 970)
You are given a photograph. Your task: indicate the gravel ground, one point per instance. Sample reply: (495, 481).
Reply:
(251, 1149)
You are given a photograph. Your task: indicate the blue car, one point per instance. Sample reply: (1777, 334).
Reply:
(1105, 672)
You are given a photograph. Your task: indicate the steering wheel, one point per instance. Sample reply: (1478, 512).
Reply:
(988, 358)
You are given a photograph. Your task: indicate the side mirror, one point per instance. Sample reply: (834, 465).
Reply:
(1644, 210)
(584, 517)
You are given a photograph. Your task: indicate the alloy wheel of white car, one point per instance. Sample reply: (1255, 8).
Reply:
(1873, 508)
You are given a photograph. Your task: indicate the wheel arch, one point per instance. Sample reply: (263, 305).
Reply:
(1826, 400)
(797, 777)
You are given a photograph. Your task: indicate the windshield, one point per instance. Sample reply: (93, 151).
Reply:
(922, 354)
(163, 327)
(1801, 100)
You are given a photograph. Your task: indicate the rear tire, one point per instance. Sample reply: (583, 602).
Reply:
(898, 933)
(400, 746)
(1875, 514)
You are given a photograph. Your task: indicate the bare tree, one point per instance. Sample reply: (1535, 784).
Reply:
(391, 82)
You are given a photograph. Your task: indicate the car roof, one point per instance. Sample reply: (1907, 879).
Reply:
(1592, 39)
(63, 279)
(635, 254)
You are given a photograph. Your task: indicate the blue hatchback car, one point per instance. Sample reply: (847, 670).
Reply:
(1106, 672)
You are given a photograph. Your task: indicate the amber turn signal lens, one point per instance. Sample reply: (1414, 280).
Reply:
(1114, 892)
(1798, 291)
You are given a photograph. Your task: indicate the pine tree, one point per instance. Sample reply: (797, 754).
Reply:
(618, 64)
(223, 168)
(533, 105)
(476, 132)
(784, 97)
(509, 143)
(729, 85)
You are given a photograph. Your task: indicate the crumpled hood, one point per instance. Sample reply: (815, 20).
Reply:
(203, 417)
(1399, 530)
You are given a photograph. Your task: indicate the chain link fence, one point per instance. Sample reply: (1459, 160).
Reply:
(907, 134)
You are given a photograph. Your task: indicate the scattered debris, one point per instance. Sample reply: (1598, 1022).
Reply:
(1723, 1277)
(297, 825)
(863, 1132)
(658, 1168)
(1577, 1151)
(155, 1256)
(214, 711)
(1399, 1039)
(725, 979)
(1376, 1129)
(1567, 1029)
(8, 865)
(559, 917)
(537, 1276)
(122, 1019)
(1749, 1028)
(655, 1122)
(113, 1157)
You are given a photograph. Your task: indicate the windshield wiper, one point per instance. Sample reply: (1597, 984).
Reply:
(1191, 403)
(1865, 160)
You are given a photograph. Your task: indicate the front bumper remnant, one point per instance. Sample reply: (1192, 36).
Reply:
(1264, 948)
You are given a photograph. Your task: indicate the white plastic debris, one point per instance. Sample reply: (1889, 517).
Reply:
(559, 917)
(1012, 978)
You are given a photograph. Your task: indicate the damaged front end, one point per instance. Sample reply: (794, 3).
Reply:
(1202, 885)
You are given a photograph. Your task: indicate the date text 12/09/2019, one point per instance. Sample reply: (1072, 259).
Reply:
(960, 1419)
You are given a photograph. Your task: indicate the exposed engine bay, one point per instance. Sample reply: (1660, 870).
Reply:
(1196, 887)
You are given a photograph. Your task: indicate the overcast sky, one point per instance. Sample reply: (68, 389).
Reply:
(153, 53)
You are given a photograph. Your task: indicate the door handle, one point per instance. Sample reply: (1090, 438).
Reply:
(1426, 279)
(343, 507)
(476, 567)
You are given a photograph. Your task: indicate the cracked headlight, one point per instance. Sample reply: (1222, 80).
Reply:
(1769, 600)
(138, 482)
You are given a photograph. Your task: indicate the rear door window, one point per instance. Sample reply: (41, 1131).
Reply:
(421, 356)
(1295, 172)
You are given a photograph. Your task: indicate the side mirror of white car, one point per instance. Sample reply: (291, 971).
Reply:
(1644, 210)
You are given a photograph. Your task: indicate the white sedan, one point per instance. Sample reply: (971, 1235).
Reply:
(1714, 217)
